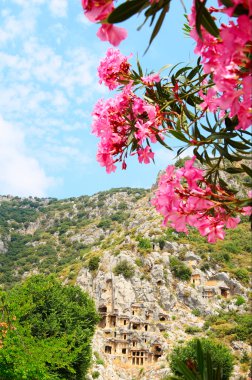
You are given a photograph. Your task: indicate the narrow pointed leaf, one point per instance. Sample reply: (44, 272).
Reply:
(247, 169)
(158, 24)
(185, 371)
(125, 11)
(200, 358)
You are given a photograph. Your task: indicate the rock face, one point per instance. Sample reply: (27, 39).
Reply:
(2, 247)
(143, 317)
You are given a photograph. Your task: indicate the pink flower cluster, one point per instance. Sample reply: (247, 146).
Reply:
(184, 198)
(122, 121)
(98, 11)
(112, 68)
(227, 59)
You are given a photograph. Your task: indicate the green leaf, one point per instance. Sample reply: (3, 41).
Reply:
(193, 72)
(162, 142)
(237, 144)
(139, 68)
(185, 371)
(204, 18)
(232, 170)
(178, 135)
(200, 358)
(209, 366)
(198, 156)
(247, 169)
(227, 3)
(182, 70)
(158, 24)
(126, 10)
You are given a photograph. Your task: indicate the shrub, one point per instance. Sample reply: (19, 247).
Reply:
(161, 243)
(196, 312)
(239, 300)
(104, 223)
(98, 360)
(220, 355)
(93, 263)
(122, 206)
(124, 268)
(120, 216)
(242, 274)
(179, 269)
(144, 244)
(192, 329)
(245, 358)
(204, 267)
(138, 262)
(95, 374)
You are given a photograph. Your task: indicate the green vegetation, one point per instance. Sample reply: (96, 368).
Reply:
(242, 274)
(179, 269)
(18, 211)
(230, 326)
(95, 374)
(105, 224)
(124, 268)
(220, 357)
(161, 243)
(192, 330)
(240, 301)
(144, 244)
(98, 360)
(93, 263)
(50, 331)
(196, 312)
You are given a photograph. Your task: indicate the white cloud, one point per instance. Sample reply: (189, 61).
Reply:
(58, 7)
(13, 26)
(20, 173)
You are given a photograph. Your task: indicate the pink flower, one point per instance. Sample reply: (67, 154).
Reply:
(191, 204)
(151, 79)
(112, 123)
(213, 230)
(145, 155)
(191, 173)
(232, 222)
(142, 131)
(112, 68)
(111, 33)
(97, 10)
(227, 58)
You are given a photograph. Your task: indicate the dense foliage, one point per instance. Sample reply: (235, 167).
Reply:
(179, 269)
(125, 269)
(51, 327)
(220, 357)
(230, 326)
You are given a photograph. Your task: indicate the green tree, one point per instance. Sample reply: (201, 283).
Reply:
(179, 269)
(124, 268)
(93, 263)
(50, 331)
(197, 355)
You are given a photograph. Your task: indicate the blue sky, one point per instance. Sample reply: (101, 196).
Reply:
(48, 83)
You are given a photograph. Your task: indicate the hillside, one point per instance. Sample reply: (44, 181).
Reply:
(152, 286)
